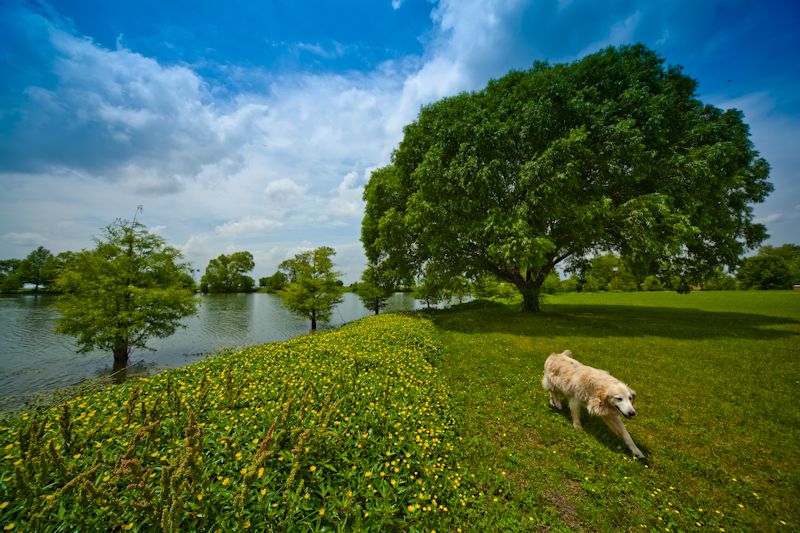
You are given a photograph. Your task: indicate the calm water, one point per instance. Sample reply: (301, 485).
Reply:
(34, 359)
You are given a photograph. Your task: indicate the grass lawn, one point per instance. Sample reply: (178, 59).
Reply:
(394, 423)
(717, 376)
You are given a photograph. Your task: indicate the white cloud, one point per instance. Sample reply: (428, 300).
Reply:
(621, 32)
(771, 218)
(336, 51)
(25, 238)
(283, 168)
(247, 225)
(283, 190)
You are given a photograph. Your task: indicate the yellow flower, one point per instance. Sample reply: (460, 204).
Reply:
(261, 471)
(321, 512)
(76, 456)
(246, 524)
(263, 491)
(3, 505)
(199, 497)
(128, 527)
(313, 468)
(10, 526)
(410, 508)
(226, 482)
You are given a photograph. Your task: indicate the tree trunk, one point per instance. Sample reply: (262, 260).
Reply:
(530, 297)
(313, 321)
(120, 356)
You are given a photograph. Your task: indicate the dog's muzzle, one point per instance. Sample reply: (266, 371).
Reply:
(627, 415)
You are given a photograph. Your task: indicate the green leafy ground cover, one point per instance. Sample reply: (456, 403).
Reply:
(717, 376)
(356, 429)
(348, 430)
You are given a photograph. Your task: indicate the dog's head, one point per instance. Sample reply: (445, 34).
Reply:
(620, 397)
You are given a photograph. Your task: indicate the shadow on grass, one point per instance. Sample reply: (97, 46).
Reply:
(598, 430)
(612, 321)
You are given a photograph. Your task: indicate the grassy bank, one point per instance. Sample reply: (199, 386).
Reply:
(717, 376)
(347, 430)
(356, 429)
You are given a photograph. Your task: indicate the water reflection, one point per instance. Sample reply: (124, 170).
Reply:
(33, 358)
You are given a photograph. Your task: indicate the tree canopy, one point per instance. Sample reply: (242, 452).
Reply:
(771, 268)
(375, 288)
(227, 273)
(314, 287)
(613, 152)
(129, 288)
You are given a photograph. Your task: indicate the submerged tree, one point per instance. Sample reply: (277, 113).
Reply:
(613, 152)
(130, 288)
(314, 288)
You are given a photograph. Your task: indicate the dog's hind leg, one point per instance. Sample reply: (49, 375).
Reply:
(616, 425)
(575, 411)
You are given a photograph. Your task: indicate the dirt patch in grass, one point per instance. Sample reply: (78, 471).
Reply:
(566, 510)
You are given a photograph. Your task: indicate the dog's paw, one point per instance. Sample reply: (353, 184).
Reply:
(638, 454)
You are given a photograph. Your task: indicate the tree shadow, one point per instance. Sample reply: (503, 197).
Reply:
(607, 320)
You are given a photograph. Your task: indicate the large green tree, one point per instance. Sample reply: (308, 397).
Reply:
(227, 273)
(131, 287)
(314, 288)
(613, 152)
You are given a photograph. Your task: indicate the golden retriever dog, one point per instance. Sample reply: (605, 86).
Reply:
(598, 391)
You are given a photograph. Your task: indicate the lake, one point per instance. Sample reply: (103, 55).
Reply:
(35, 360)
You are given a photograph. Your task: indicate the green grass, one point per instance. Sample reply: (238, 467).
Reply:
(717, 376)
(399, 423)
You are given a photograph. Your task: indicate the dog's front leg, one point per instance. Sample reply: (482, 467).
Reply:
(554, 401)
(575, 411)
(616, 425)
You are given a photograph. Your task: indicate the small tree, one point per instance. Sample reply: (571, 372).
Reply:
(765, 272)
(10, 275)
(376, 288)
(227, 273)
(314, 288)
(34, 267)
(130, 288)
(790, 253)
(274, 283)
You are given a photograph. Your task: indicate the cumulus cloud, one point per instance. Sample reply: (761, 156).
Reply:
(102, 130)
(247, 225)
(26, 238)
(282, 190)
(770, 218)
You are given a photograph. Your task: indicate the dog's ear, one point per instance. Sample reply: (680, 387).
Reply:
(633, 393)
(568, 353)
(597, 405)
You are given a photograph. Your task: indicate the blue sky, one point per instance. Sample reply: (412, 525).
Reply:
(254, 125)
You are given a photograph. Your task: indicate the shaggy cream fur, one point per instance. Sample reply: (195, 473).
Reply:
(598, 391)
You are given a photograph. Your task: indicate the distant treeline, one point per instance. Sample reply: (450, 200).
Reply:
(771, 268)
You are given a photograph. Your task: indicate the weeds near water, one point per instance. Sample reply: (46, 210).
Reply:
(350, 428)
